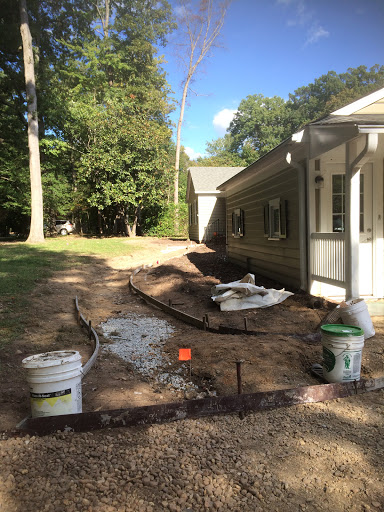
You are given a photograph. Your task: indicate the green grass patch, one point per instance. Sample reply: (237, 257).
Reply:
(23, 265)
(104, 247)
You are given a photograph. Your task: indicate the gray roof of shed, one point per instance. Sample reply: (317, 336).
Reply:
(207, 179)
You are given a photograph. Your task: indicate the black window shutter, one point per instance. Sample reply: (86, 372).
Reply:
(266, 220)
(283, 218)
(233, 224)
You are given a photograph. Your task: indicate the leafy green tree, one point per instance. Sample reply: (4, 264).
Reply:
(262, 123)
(220, 154)
(259, 125)
(114, 109)
(332, 91)
(90, 57)
(125, 162)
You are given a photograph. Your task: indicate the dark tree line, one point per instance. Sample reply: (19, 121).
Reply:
(103, 109)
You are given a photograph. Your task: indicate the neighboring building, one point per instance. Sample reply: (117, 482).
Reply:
(310, 212)
(206, 204)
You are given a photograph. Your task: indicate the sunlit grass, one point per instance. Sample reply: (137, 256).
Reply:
(104, 247)
(23, 265)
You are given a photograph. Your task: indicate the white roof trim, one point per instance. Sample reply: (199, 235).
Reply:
(359, 104)
(207, 191)
(298, 137)
(371, 129)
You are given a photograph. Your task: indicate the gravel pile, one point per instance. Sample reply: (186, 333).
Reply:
(317, 457)
(140, 340)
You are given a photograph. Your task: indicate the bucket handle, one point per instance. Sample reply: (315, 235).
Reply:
(348, 346)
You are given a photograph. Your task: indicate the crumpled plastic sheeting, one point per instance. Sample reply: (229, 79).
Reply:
(244, 294)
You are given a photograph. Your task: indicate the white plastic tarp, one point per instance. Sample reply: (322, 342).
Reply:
(244, 294)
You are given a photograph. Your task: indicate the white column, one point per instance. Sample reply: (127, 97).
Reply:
(352, 223)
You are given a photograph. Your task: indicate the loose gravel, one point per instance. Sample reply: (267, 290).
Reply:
(315, 457)
(140, 340)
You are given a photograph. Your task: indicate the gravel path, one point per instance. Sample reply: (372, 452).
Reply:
(140, 340)
(315, 457)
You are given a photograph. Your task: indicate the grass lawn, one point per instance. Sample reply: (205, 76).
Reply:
(22, 265)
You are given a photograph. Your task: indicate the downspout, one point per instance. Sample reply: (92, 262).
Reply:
(302, 222)
(352, 215)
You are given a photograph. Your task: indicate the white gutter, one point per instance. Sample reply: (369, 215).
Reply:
(302, 222)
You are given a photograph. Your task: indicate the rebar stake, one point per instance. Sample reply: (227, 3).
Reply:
(239, 385)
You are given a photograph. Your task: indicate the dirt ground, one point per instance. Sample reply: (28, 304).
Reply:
(279, 357)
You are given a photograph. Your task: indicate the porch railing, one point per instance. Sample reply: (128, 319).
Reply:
(328, 258)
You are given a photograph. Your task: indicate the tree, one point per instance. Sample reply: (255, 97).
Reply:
(124, 168)
(220, 154)
(36, 234)
(201, 30)
(259, 125)
(116, 111)
(331, 91)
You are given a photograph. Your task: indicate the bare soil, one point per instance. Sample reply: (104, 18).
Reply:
(279, 357)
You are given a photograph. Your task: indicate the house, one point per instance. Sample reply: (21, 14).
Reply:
(310, 212)
(206, 204)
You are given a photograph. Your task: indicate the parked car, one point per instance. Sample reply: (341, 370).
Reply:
(64, 227)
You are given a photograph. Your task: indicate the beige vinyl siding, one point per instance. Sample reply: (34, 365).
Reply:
(374, 108)
(193, 228)
(276, 259)
(211, 209)
(206, 206)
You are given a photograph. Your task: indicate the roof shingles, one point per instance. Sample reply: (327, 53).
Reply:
(207, 179)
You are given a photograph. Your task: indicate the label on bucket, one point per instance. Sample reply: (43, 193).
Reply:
(329, 359)
(345, 366)
(54, 403)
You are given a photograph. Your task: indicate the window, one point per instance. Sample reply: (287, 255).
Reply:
(193, 213)
(338, 202)
(238, 223)
(275, 219)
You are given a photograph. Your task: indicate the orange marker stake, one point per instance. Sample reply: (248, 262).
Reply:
(185, 355)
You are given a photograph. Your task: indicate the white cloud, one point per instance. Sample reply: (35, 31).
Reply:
(222, 120)
(316, 33)
(299, 14)
(192, 153)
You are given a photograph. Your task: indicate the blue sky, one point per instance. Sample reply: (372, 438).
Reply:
(272, 47)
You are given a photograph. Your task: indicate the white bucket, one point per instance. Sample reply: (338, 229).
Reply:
(342, 350)
(54, 380)
(356, 313)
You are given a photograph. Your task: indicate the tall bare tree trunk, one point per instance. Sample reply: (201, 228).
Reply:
(178, 140)
(201, 30)
(36, 234)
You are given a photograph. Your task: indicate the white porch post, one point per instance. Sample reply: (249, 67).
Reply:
(352, 225)
(352, 209)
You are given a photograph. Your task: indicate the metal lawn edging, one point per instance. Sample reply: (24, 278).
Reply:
(165, 413)
(92, 334)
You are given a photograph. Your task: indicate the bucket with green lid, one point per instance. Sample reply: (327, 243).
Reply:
(342, 350)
